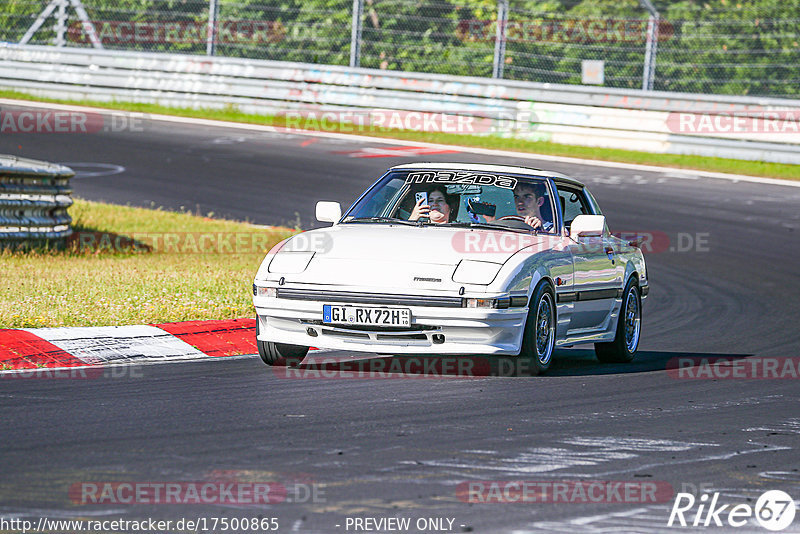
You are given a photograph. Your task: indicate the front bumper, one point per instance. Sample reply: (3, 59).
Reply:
(464, 330)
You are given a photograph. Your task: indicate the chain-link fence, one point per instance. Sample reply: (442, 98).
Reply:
(716, 47)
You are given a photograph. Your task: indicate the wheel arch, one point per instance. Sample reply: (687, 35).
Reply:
(631, 272)
(545, 279)
(632, 276)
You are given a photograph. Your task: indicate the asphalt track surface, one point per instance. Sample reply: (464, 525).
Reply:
(400, 447)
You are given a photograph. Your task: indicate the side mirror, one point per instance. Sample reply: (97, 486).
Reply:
(329, 211)
(587, 226)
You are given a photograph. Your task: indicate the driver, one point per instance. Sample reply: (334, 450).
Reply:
(529, 199)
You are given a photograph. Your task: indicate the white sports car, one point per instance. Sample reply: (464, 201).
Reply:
(455, 259)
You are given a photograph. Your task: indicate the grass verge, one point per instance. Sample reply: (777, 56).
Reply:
(751, 168)
(129, 265)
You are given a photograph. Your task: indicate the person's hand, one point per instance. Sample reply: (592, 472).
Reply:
(489, 218)
(533, 222)
(420, 210)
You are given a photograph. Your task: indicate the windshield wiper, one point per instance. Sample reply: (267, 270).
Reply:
(380, 219)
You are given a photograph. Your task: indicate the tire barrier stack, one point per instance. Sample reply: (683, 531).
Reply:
(34, 197)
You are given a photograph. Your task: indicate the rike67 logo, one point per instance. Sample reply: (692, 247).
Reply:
(774, 510)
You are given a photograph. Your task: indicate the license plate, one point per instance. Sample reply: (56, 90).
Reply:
(361, 315)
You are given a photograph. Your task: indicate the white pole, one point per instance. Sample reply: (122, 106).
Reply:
(211, 34)
(500, 39)
(355, 34)
(61, 23)
(651, 47)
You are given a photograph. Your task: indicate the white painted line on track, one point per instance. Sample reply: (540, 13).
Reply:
(672, 463)
(399, 142)
(97, 345)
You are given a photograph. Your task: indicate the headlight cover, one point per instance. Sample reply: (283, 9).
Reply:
(286, 262)
(476, 272)
(263, 269)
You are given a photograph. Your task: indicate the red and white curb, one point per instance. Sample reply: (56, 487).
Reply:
(47, 348)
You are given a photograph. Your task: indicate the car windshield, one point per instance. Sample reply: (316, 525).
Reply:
(456, 198)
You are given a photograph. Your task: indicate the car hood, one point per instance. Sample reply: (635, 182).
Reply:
(399, 256)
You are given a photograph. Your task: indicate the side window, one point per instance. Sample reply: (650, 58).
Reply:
(376, 201)
(573, 204)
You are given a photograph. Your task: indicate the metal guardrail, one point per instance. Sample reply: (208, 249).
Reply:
(34, 197)
(566, 114)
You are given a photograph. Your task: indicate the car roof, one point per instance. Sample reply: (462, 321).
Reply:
(488, 167)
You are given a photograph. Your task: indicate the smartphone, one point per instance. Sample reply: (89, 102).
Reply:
(481, 208)
(422, 195)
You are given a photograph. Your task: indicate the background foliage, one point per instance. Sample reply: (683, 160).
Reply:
(717, 46)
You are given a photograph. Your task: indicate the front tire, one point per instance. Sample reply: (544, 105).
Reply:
(539, 339)
(629, 328)
(279, 354)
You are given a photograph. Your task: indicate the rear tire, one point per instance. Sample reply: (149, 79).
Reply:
(539, 339)
(629, 328)
(280, 354)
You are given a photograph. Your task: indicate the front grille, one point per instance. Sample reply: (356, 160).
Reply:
(415, 333)
(369, 298)
(370, 328)
(342, 333)
(395, 337)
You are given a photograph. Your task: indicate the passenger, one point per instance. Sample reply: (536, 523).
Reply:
(441, 208)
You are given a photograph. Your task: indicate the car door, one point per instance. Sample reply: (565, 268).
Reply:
(596, 282)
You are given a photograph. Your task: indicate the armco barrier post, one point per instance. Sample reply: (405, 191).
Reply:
(500, 39)
(355, 34)
(34, 197)
(211, 36)
(61, 23)
(651, 47)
